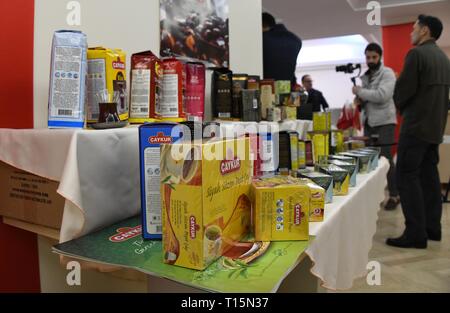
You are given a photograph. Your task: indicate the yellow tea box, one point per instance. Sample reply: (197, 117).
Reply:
(106, 74)
(350, 167)
(363, 160)
(341, 178)
(316, 201)
(205, 194)
(281, 209)
(321, 143)
(322, 121)
(301, 151)
(321, 179)
(288, 113)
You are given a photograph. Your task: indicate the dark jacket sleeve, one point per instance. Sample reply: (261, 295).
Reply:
(323, 102)
(408, 81)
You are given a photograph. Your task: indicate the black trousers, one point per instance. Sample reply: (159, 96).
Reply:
(419, 186)
(386, 138)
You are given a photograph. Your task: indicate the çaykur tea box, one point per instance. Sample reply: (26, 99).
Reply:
(316, 201)
(68, 72)
(205, 194)
(341, 178)
(281, 208)
(145, 81)
(106, 72)
(323, 180)
(151, 136)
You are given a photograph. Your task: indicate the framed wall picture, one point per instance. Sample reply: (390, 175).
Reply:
(195, 30)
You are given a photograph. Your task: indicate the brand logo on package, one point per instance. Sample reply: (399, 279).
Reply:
(160, 138)
(117, 65)
(230, 166)
(125, 233)
(297, 214)
(316, 195)
(192, 227)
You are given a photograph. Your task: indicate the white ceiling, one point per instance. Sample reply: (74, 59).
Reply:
(329, 18)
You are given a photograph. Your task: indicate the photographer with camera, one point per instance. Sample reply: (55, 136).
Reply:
(379, 114)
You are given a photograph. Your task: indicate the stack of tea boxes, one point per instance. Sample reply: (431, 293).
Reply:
(202, 198)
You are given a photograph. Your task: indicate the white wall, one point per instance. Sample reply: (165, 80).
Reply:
(447, 50)
(133, 26)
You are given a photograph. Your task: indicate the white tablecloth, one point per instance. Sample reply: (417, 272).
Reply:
(342, 242)
(98, 172)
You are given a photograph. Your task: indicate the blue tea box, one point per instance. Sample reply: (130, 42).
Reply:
(151, 136)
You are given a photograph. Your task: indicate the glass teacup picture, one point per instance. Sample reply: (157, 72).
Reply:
(212, 243)
(182, 168)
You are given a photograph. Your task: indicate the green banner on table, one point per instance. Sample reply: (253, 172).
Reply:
(122, 245)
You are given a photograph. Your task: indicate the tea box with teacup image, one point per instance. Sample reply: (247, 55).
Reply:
(281, 208)
(205, 194)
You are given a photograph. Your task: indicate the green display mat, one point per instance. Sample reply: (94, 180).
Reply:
(265, 274)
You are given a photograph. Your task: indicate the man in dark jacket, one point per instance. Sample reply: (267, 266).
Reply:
(280, 50)
(421, 95)
(316, 101)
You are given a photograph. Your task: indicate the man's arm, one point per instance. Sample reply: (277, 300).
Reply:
(383, 93)
(408, 81)
(323, 102)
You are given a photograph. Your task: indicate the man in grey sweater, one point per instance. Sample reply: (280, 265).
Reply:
(376, 98)
(421, 95)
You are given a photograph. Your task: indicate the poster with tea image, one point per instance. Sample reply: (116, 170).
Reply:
(195, 30)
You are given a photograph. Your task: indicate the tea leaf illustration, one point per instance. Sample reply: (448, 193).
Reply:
(171, 186)
(165, 180)
(241, 263)
(231, 274)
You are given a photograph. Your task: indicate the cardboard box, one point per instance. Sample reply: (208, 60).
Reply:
(30, 198)
(205, 200)
(341, 178)
(281, 209)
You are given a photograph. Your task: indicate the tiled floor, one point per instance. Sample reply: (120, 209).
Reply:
(409, 270)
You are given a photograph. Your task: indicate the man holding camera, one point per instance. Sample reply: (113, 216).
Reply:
(380, 119)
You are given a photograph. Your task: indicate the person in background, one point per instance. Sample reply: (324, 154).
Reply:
(421, 95)
(280, 50)
(379, 114)
(316, 101)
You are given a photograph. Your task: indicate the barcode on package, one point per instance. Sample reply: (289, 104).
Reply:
(62, 112)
